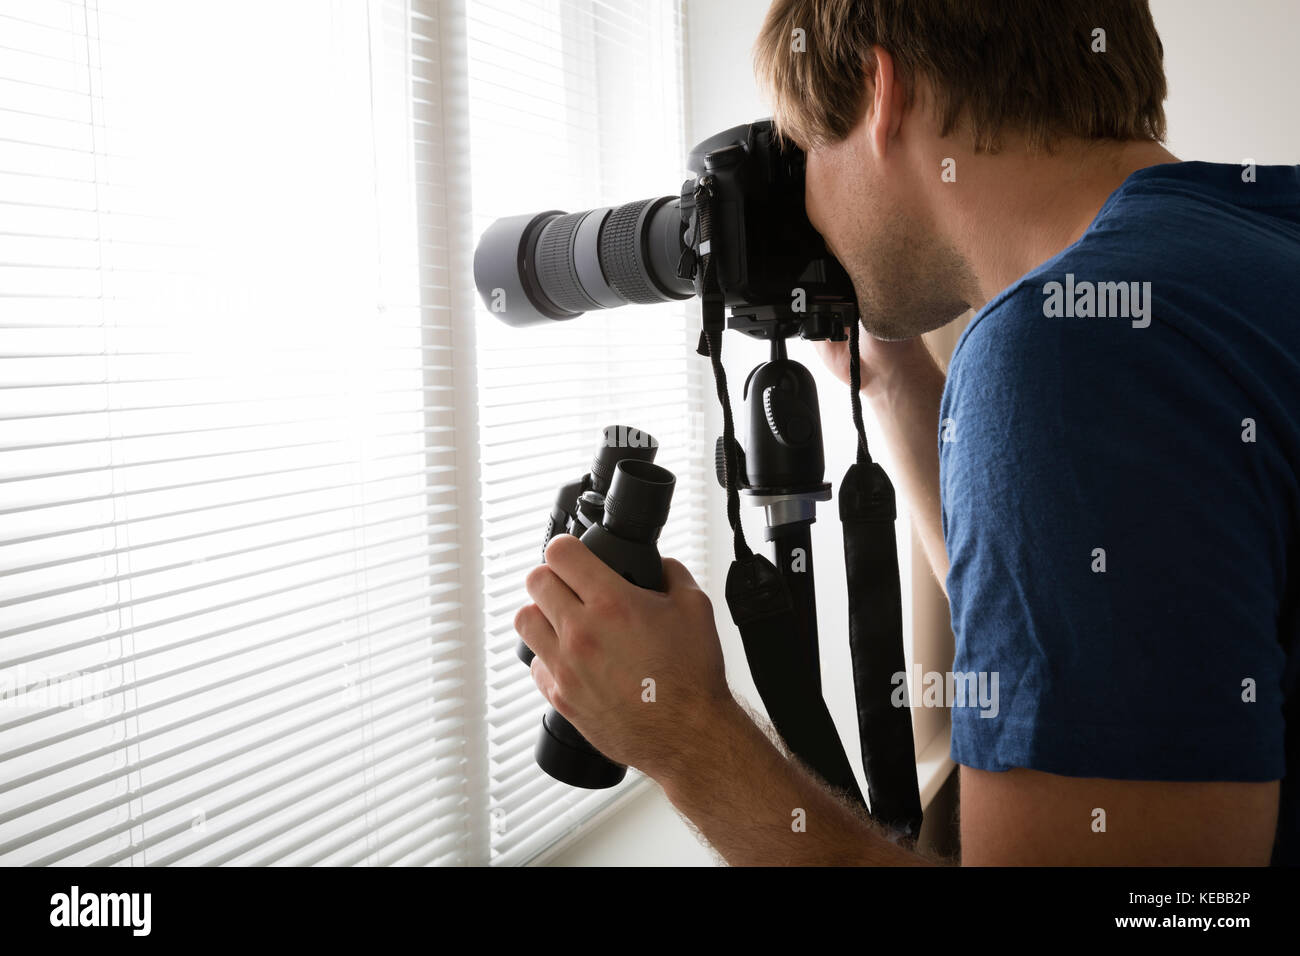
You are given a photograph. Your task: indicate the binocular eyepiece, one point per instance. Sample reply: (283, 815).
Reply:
(617, 510)
(636, 507)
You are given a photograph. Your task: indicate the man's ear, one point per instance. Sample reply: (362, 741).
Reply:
(886, 115)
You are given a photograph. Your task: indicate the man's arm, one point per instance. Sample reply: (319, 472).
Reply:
(601, 641)
(757, 808)
(598, 638)
(1028, 818)
(749, 802)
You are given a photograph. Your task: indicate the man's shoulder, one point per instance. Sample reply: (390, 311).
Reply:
(1089, 298)
(1185, 270)
(1176, 244)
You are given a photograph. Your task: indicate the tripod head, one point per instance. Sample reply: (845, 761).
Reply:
(778, 322)
(780, 461)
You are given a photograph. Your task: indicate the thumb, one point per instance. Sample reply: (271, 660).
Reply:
(676, 577)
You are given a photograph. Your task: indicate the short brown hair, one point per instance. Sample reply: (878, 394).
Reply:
(1025, 65)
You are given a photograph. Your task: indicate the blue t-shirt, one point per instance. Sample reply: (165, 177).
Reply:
(1119, 451)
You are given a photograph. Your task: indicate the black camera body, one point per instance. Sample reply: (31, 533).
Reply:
(772, 267)
(770, 263)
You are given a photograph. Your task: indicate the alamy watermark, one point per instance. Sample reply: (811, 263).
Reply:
(22, 689)
(129, 910)
(1085, 299)
(622, 436)
(947, 689)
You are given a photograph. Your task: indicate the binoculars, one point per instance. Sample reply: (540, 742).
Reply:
(617, 510)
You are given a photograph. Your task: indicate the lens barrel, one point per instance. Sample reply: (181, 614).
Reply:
(553, 265)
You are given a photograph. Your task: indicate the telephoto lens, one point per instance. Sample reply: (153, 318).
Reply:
(547, 266)
(626, 539)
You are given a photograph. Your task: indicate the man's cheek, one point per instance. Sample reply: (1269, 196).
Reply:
(813, 188)
(817, 203)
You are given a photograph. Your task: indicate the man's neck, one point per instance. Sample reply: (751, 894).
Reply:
(1015, 210)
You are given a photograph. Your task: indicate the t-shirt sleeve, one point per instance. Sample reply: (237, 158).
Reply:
(1117, 553)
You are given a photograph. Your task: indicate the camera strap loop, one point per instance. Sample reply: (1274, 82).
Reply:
(712, 341)
(867, 513)
(712, 305)
(712, 301)
(855, 390)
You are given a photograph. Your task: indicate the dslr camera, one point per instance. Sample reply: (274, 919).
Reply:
(772, 268)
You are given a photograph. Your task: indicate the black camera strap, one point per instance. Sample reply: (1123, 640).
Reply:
(757, 595)
(762, 608)
(867, 513)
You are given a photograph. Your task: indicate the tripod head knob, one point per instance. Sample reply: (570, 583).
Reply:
(790, 420)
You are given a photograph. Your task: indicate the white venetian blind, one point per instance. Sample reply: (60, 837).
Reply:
(232, 606)
(573, 104)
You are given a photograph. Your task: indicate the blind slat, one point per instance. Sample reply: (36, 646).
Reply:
(246, 445)
(230, 453)
(322, 742)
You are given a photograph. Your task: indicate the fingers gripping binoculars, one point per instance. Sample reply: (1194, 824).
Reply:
(617, 509)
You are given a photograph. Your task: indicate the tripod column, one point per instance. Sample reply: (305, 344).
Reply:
(792, 546)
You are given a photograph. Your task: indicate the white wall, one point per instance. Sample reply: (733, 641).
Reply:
(1233, 81)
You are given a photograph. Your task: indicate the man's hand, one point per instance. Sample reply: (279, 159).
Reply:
(600, 640)
(639, 673)
(884, 366)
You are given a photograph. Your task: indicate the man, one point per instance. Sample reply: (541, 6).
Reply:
(1112, 498)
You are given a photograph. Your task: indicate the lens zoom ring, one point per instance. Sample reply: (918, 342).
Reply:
(556, 271)
(620, 255)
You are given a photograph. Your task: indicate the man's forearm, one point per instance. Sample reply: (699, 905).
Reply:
(906, 403)
(756, 808)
